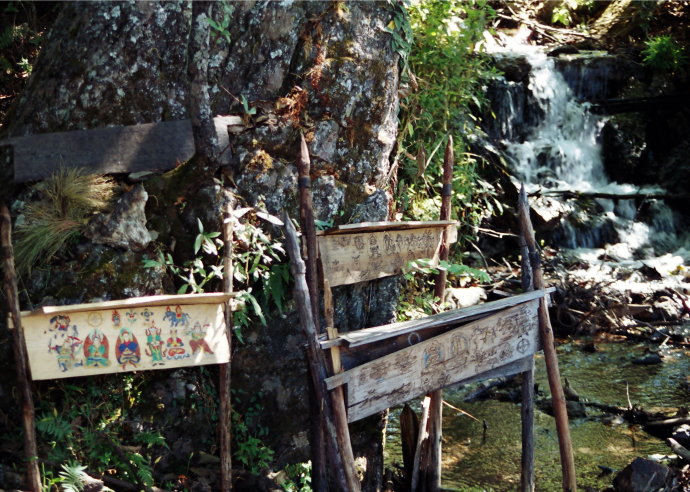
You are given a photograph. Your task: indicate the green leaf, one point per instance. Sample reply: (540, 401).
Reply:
(197, 243)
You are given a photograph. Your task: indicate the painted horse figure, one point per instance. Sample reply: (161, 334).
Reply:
(176, 317)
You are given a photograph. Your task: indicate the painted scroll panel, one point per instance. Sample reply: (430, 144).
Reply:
(358, 257)
(480, 346)
(138, 338)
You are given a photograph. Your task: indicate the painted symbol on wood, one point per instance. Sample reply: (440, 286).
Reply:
(127, 349)
(154, 345)
(96, 348)
(197, 342)
(116, 319)
(147, 314)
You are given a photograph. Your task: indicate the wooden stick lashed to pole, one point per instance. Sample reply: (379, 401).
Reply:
(33, 475)
(338, 446)
(225, 369)
(547, 340)
(433, 469)
(319, 475)
(527, 409)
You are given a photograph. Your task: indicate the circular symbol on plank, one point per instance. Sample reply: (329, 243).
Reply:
(413, 338)
(95, 319)
(522, 345)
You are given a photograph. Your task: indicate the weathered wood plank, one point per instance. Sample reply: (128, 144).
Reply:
(441, 361)
(386, 226)
(124, 149)
(359, 257)
(67, 343)
(377, 333)
(162, 300)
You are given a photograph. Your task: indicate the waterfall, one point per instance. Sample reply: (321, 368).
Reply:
(551, 141)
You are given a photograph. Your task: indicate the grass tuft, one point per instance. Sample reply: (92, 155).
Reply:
(66, 201)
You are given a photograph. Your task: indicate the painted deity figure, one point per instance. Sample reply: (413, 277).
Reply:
(175, 346)
(64, 342)
(197, 342)
(155, 344)
(127, 349)
(96, 350)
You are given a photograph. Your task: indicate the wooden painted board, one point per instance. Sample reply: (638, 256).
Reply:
(375, 334)
(133, 337)
(464, 352)
(358, 257)
(124, 149)
(385, 226)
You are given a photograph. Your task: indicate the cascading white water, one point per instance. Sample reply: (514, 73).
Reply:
(560, 151)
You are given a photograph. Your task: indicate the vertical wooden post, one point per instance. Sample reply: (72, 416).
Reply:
(433, 469)
(527, 410)
(426, 404)
(319, 477)
(33, 476)
(338, 446)
(547, 340)
(225, 369)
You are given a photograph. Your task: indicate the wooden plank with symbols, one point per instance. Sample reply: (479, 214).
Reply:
(156, 332)
(378, 249)
(477, 347)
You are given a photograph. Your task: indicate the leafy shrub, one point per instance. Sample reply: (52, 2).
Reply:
(663, 53)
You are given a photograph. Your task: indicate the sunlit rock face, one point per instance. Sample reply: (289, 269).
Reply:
(323, 69)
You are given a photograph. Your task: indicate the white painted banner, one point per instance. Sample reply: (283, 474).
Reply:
(159, 332)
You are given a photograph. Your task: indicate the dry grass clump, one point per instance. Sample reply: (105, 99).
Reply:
(66, 201)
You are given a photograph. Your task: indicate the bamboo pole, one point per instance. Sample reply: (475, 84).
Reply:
(338, 446)
(319, 477)
(433, 468)
(33, 476)
(225, 369)
(527, 410)
(547, 340)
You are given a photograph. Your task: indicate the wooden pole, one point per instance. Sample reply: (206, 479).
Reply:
(527, 410)
(33, 476)
(547, 340)
(338, 446)
(319, 477)
(225, 369)
(426, 404)
(433, 468)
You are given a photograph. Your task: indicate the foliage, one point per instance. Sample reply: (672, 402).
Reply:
(663, 53)
(257, 265)
(222, 26)
(446, 74)
(65, 202)
(72, 477)
(564, 11)
(298, 477)
(248, 432)
(92, 426)
(417, 299)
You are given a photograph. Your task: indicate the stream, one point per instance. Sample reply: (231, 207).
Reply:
(478, 461)
(551, 142)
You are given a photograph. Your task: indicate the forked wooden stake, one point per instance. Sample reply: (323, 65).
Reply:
(527, 409)
(33, 476)
(547, 340)
(225, 369)
(319, 475)
(338, 446)
(433, 466)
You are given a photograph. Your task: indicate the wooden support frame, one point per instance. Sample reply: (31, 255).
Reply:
(33, 476)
